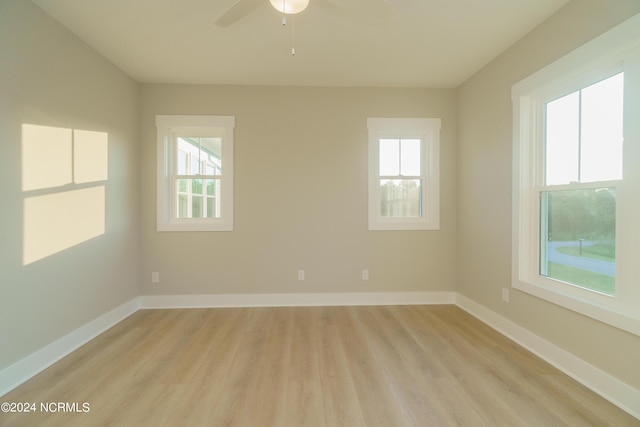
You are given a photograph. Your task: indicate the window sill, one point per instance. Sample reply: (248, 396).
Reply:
(397, 224)
(194, 226)
(620, 317)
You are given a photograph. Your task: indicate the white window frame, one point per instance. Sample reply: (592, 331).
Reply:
(168, 128)
(616, 50)
(428, 131)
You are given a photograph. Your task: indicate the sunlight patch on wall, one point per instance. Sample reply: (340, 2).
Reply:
(61, 207)
(46, 157)
(89, 156)
(55, 222)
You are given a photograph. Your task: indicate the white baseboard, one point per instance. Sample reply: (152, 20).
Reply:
(21, 371)
(14, 375)
(617, 392)
(296, 300)
(607, 386)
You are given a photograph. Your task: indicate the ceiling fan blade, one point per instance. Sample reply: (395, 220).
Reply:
(239, 10)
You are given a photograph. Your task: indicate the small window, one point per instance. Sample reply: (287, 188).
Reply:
(403, 174)
(195, 173)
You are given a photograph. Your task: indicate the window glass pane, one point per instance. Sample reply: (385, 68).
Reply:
(182, 185)
(212, 210)
(183, 206)
(212, 147)
(601, 135)
(563, 139)
(183, 163)
(213, 199)
(584, 134)
(196, 186)
(211, 155)
(209, 169)
(196, 206)
(194, 167)
(401, 198)
(211, 186)
(191, 148)
(389, 157)
(578, 237)
(410, 157)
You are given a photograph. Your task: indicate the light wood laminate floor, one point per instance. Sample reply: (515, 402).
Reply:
(315, 366)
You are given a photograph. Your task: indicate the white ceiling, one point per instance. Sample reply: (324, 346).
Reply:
(410, 43)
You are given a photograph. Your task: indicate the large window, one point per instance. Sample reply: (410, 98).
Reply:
(195, 173)
(582, 169)
(403, 174)
(576, 184)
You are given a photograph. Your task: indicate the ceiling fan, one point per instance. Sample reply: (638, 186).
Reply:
(242, 8)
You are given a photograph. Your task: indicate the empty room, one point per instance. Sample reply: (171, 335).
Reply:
(320, 213)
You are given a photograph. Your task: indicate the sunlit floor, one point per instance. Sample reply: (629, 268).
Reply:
(314, 366)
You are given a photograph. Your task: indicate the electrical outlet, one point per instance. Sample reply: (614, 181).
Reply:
(505, 294)
(155, 277)
(365, 274)
(300, 274)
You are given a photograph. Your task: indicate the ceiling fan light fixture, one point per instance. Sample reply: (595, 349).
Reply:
(290, 7)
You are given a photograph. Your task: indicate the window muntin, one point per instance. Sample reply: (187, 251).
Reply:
(403, 174)
(195, 173)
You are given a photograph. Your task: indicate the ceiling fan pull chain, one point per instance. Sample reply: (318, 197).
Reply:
(293, 19)
(293, 35)
(284, 12)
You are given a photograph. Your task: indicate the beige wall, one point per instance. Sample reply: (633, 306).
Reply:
(484, 189)
(300, 195)
(49, 78)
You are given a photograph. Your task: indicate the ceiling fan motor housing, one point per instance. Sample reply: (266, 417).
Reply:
(290, 7)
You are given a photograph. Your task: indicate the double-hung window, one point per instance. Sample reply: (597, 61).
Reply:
(576, 180)
(195, 173)
(403, 173)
